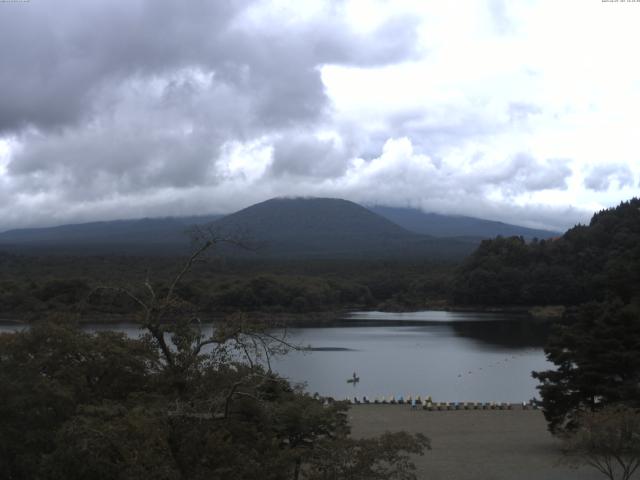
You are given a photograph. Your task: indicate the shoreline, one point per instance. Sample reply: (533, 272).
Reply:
(535, 313)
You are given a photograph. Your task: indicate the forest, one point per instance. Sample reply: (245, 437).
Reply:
(592, 262)
(33, 286)
(210, 406)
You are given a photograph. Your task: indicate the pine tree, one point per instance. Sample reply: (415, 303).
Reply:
(597, 360)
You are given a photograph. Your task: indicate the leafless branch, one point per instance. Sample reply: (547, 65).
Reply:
(187, 266)
(282, 341)
(227, 402)
(247, 355)
(267, 357)
(152, 292)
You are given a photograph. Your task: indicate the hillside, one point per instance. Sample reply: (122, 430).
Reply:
(283, 227)
(118, 236)
(593, 262)
(331, 227)
(293, 227)
(439, 225)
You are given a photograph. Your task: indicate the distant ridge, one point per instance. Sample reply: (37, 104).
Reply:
(293, 227)
(146, 235)
(439, 225)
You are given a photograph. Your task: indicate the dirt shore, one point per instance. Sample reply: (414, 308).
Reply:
(474, 444)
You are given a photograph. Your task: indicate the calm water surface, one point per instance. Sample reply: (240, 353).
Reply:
(450, 356)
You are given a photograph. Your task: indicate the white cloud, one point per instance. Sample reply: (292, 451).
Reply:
(519, 111)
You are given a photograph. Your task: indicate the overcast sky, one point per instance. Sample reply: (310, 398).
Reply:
(522, 111)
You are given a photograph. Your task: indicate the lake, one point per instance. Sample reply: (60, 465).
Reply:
(451, 356)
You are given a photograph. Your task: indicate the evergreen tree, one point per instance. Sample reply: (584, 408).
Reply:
(597, 360)
(587, 263)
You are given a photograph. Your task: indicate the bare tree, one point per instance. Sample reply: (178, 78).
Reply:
(607, 440)
(182, 339)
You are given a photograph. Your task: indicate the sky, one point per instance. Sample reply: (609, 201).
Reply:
(525, 111)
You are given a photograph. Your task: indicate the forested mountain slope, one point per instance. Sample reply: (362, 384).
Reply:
(589, 262)
(146, 235)
(280, 227)
(331, 227)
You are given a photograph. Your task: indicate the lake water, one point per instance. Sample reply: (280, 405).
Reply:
(450, 356)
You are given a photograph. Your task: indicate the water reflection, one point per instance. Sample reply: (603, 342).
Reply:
(493, 329)
(513, 334)
(431, 316)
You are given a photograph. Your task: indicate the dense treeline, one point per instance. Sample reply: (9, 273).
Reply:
(102, 406)
(31, 286)
(588, 263)
(595, 348)
(594, 262)
(593, 268)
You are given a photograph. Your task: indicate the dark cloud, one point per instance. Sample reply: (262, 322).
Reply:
(58, 55)
(113, 98)
(601, 178)
(308, 156)
(121, 109)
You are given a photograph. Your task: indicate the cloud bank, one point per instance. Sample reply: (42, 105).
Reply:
(113, 109)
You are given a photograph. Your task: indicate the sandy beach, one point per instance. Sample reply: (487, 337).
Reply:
(474, 444)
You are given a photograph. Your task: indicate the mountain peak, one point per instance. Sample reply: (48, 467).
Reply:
(285, 226)
(282, 216)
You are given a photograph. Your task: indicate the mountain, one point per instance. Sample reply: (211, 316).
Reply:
(155, 235)
(280, 227)
(331, 227)
(296, 227)
(438, 225)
